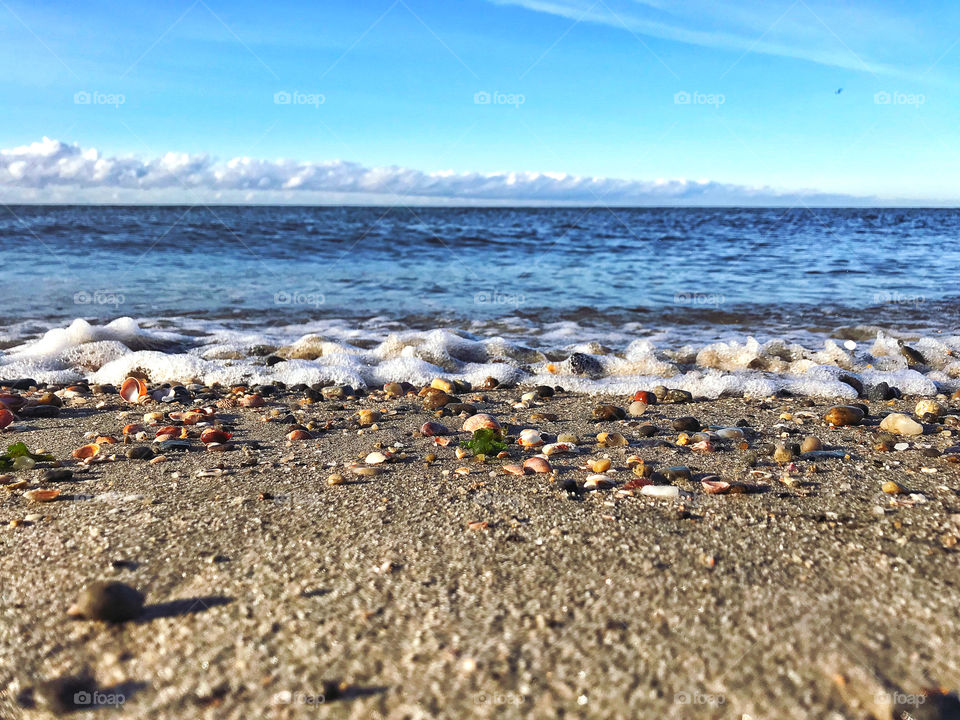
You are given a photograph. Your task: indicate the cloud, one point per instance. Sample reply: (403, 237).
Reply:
(815, 31)
(55, 171)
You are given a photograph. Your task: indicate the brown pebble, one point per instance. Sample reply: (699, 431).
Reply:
(110, 601)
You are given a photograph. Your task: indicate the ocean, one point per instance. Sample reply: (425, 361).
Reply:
(718, 300)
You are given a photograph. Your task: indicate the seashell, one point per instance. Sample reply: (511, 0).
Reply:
(214, 435)
(152, 418)
(597, 482)
(530, 438)
(480, 420)
(647, 398)
(87, 451)
(537, 465)
(901, 424)
(132, 429)
(133, 389)
(637, 483)
(6, 417)
(433, 429)
(612, 439)
(192, 417)
(557, 448)
(462, 471)
(105, 440)
(163, 394)
(660, 491)
(513, 469)
(219, 446)
(12, 402)
(713, 485)
(252, 401)
(730, 433)
(295, 435)
(375, 458)
(704, 446)
(442, 441)
(41, 495)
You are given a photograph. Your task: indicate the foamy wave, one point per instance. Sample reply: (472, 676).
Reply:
(343, 353)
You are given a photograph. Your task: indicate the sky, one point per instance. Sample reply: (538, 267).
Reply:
(481, 102)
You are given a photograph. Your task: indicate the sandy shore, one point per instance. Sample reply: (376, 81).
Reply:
(422, 592)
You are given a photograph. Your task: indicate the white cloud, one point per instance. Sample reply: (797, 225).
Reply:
(54, 171)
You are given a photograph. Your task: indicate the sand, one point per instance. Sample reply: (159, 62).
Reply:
(271, 594)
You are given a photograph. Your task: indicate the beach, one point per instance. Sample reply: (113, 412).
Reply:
(448, 587)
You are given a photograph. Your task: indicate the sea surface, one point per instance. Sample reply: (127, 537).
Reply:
(650, 292)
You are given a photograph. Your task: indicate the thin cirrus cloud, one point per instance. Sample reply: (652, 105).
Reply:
(55, 171)
(811, 30)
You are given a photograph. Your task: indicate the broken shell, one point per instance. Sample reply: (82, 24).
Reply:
(714, 485)
(556, 448)
(480, 420)
(87, 451)
(611, 439)
(660, 491)
(105, 440)
(133, 389)
(597, 482)
(41, 495)
(6, 417)
(132, 429)
(530, 438)
(602, 465)
(192, 417)
(252, 401)
(537, 465)
(152, 418)
(299, 435)
(704, 446)
(513, 469)
(213, 435)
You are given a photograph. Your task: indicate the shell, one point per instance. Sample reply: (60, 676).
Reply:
(714, 485)
(375, 458)
(660, 491)
(299, 435)
(608, 439)
(252, 401)
(133, 389)
(513, 469)
(537, 465)
(105, 440)
(152, 418)
(530, 438)
(132, 429)
(41, 495)
(6, 417)
(214, 435)
(433, 429)
(557, 448)
(192, 417)
(87, 451)
(480, 420)
(597, 482)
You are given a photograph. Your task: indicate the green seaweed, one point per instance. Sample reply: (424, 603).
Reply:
(485, 441)
(20, 450)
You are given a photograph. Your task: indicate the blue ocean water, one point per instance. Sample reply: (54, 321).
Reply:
(704, 271)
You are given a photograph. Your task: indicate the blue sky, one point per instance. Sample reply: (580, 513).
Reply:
(726, 100)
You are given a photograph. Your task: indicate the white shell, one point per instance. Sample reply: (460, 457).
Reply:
(555, 448)
(375, 458)
(661, 491)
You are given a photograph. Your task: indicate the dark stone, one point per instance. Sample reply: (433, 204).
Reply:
(22, 384)
(677, 472)
(57, 476)
(608, 412)
(274, 360)
(39, 411)
(647, 430)
(880, 392)
(914, 357)
(109, 601)
(461, 408)
(65, 694)
(581, 364)
(544, 391)
(677, 396)
(686, 424)
(852, 382)
(140, 452)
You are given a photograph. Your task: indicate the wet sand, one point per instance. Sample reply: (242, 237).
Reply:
(421, 592)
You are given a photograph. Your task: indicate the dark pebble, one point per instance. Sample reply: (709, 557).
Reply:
(581, 364)
(110, 601)
(852, 382)
(140, 452)
(461, 408)
(274, 360)
(677, 472)
(22, 384)
(57, 476)
(545, 391)
(608, 412)
(880, 392)
(914, 357)
(686, 424)
(65, 694)
(39, 411)
(678, 396)
(647, 430)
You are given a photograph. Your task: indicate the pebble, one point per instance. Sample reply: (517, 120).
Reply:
(660, 491)
(842, 415)
(568, 438)
(612, 440)
(686, 424)
(57, 476)
(601, 465)
(810, 443)
(647, 398)
(434, 429)
(928, 407)
(881, 392)
(901, 424)
(730, 433)
(436, 399)
(637, 408)
(336, 392)
(442, 384)
(581, 364)
(366, 418)
(335, 479)
(537, 465)
(608, 412)
(394, 389)
(647, 430)
(678, 396)
(597, 482)
(109, 601)
(891, 488)
(782, 454)
(677, 472)
(480, 420)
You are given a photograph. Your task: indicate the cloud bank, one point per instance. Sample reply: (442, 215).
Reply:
(55, 171)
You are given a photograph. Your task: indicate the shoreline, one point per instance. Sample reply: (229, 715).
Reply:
(422, 590)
